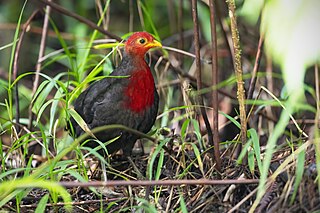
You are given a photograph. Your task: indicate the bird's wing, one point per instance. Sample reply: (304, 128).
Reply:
(106, 91)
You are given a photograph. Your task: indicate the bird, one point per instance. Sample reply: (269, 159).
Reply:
(131, 100)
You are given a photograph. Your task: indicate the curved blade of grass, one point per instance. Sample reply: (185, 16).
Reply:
(298, 174)
(160, 165)
(256, 147)
(8, 188)
(39, 90)
(81, 179)
(184, 129)
(251, 161)
(183, 206)
(54, 108)
(41, 207)
(198, 156)
(197, 132)
(108, 45)
(15, 39)
(88, 79)
(234, 121)
(96, 154)
(6, 197)
(42, 108)
(153, 158)
(80, 121)
(43, 94)
(288, 110)
(244, 151)
(10, 172)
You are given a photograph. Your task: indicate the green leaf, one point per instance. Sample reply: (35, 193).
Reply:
(184, 129)
(251, 161)
(234, 121)
(198, 156)
(183, 206)
(153, 158)
(256, 147)
(108, 45)
(244, 151)
(160, 165)
(80, 121)
(42, 204)
(298, 175)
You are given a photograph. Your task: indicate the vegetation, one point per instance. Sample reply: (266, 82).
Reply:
(238, 124)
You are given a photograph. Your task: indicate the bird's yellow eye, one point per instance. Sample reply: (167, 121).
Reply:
(142, 41)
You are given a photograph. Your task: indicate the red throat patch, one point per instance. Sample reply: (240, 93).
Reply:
(140, 91)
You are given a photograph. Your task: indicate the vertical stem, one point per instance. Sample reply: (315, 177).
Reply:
(41, 53)
(180, 30)
(172, 17)
(198, 69)
(141, 15)
(225, 32)
(317, 85)
(15, 67)
(317, 121)
(130, 15)
(238, 70)
(255, 68)
(215, 75)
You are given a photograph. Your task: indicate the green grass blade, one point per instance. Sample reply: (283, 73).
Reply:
(234, 121)
(41, 207)
(299, 174)
(256, 147)
(153, 158)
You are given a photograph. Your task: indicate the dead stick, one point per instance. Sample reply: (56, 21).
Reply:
(156, 182)
(215, 75)
(198, 68)
(15, 67)
(38, 65)
(80, 18)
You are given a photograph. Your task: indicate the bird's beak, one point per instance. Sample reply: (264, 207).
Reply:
(154, 44)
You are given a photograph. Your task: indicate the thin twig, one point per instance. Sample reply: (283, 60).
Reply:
(15, 67)
(216, 139)
(198, 71)
(255, 68)
(38, 66)
(185, 53)
(172, 16)
(131, 17)
(237, 206)
(180, 30)
(317, 85)
(79, 18)
(141, 15)
(156, 182)
(285, 108)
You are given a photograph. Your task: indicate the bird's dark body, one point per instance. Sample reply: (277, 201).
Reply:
(105, 102)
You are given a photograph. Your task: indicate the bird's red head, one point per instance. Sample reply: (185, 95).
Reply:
(139, 43)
